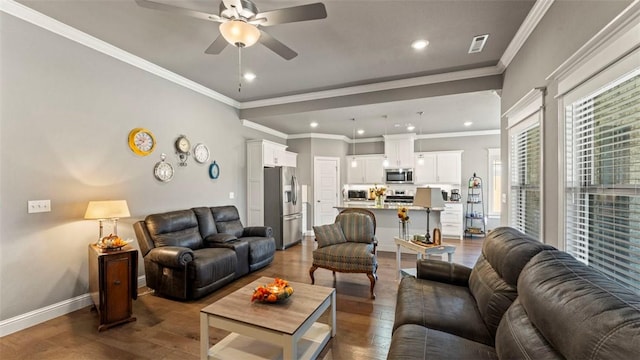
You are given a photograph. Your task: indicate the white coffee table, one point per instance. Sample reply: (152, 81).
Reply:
(288, 330)
(421, 250)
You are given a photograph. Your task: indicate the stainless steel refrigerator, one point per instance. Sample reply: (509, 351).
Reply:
(283, 205)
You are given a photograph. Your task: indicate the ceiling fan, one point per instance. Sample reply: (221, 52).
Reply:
(241, 22)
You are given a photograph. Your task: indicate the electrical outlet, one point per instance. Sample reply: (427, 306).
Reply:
(232, 195)
(38, 206)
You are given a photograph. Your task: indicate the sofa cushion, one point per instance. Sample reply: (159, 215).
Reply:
(440, 306)
(205, 221)
(347, 257)
(260, 248)
(517, 338)
(329, 234)
(227, 220)
(175, 228)
(210, 265)
(579, 311)
(418, 342)
(357, 227)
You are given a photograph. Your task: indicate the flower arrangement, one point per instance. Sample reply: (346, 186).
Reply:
(403, 213)
(379, 191)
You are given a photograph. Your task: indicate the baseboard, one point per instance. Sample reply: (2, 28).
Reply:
(47, 313)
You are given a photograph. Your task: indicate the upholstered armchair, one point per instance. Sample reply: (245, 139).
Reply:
(348, 245)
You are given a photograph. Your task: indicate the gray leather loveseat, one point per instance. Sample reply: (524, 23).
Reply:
(191, 253)
(522, 300)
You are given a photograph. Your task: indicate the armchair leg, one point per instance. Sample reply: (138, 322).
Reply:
(372, 278)
(311, 271)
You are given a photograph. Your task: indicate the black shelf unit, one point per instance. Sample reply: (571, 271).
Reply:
(475, 220)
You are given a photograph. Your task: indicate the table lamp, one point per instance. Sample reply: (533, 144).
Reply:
(107, 210)
(429, 198)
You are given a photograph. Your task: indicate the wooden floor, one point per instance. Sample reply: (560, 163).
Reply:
(167, 329)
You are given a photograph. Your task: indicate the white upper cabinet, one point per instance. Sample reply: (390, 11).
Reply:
(273, 154)
(443, 167)
(368, 171)
(290, 159)
(399, 150)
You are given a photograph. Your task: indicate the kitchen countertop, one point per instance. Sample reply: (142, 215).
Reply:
(394, 207)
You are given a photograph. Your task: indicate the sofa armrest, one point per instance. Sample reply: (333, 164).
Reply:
(263, 231)
(219, 238)
(442, 271)
(171, 256)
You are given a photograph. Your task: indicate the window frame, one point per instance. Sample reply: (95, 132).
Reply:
(493, 154)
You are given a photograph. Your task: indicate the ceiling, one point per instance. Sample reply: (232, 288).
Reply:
(359, 44)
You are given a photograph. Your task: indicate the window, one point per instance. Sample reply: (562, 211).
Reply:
(495, 181)
(602, 168)
(525, 168)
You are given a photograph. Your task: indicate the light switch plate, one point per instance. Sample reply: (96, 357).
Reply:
(38, 206)
(232, 195)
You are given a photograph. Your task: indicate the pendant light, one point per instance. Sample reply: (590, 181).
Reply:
(421, 155)
(385, 162)
(354, 162)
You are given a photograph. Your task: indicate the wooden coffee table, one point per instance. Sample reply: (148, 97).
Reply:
(287, 330)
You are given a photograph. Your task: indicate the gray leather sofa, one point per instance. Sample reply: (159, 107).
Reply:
(191, 253)
(522, 300)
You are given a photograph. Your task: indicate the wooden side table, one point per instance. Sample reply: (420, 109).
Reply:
(113, 283)
(421, 250)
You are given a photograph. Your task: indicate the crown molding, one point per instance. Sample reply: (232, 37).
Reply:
(264, 129)
(36, 18)
(526, 28)
(381, 86)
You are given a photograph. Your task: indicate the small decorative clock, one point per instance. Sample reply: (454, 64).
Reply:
(201, 153)
(183, 145)
(141, 141)
(214, 170)
(163, 171)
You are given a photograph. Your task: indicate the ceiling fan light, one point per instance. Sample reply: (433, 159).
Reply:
(239, 33)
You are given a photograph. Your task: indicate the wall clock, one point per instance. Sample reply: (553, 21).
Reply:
(183, 145)
(141, 141)
(214, 170)
(163, 171)
(201, 153)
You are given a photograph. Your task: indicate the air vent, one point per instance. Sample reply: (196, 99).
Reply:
(477, 44)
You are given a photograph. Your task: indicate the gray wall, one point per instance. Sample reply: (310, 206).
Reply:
(65, 116)
(566, 26)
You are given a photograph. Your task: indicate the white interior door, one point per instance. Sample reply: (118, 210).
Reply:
(326, 183)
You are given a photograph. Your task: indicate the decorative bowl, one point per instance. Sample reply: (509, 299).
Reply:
(277, 291)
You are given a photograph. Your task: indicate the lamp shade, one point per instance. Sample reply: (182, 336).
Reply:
(239, 33)
(111, 209)
(428, 197)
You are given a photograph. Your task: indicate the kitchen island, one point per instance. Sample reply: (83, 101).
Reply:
(387, 222)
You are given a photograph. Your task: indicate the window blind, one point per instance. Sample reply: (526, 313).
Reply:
(525, 178)
(602, 167)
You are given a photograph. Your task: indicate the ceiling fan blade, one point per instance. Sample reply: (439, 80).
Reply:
(178, 10)
(216, 46)
(276, 46)
(293, 14)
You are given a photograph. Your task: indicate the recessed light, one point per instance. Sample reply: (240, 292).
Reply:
(313, 124)
(249, 76)
(360, 131)
(419, 44)
(468, 123)
(410, 127)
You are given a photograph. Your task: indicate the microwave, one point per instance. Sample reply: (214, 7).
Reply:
(398, 176)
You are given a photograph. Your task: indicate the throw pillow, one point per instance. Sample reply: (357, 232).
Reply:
(330, 234)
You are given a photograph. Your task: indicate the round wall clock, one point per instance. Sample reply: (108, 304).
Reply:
(183, 145)
(214, 170)
(201, 153)
(141, 141)
(163, 171)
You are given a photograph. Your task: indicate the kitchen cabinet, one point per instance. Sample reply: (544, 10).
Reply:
(369, 170)
(444, 167)
(451, 220)
(399, 151)
(113, 283)
(261, 154)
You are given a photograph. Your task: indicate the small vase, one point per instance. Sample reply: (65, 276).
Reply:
(379, 201)
(403, 230)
